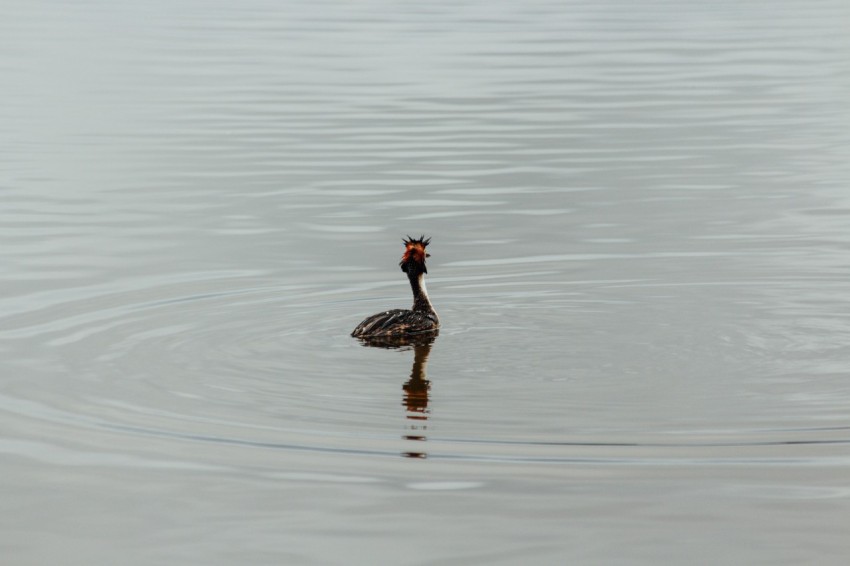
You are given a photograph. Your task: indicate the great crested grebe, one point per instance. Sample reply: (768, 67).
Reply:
(422, 317)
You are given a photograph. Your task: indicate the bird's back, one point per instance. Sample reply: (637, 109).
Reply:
(396, 322)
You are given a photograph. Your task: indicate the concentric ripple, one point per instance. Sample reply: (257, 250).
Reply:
(235, 359)
(639, 257)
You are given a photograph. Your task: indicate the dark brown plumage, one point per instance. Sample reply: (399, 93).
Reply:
(422, 317)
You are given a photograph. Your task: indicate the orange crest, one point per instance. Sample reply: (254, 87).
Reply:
(414, 250)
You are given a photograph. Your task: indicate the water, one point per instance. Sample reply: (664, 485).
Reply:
(640, 259)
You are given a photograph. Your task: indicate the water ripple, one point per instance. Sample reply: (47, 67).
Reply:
(639, 258)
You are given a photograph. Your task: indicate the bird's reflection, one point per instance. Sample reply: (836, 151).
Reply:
(416, 388)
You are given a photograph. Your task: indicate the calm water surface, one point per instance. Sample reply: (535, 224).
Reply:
(641, 248)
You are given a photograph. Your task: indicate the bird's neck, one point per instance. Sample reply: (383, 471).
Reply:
(421, 302)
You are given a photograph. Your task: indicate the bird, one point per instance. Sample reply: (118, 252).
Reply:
(419, 319)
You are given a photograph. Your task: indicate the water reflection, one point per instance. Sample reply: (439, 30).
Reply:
(415, 398)
(416, 389)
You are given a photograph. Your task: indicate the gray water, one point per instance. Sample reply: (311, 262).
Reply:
(640, 222)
